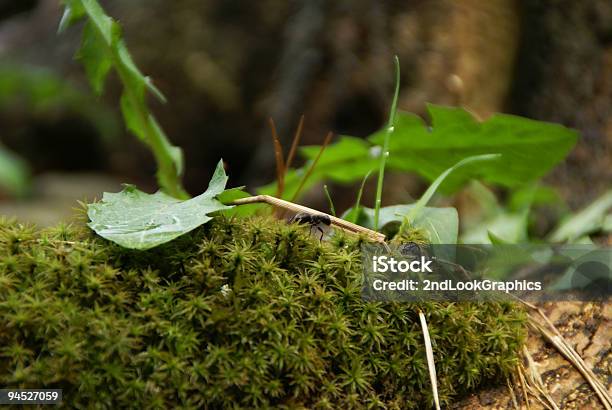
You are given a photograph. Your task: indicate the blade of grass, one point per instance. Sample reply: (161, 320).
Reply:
(312, 166)
(384, 154)
(332, 209)
(280, 162)
(354, 214)
(426, 197)
(295, 143)
(424, 200)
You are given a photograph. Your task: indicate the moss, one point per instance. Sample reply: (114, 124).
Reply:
(240, 313)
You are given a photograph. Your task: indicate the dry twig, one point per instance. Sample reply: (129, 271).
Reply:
(313, 165)
(552, 334)
(280, 161)
(290, 206)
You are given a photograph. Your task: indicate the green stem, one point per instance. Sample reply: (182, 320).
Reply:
(332, 209)
(168, 167)
(167, 175)
(384, 154)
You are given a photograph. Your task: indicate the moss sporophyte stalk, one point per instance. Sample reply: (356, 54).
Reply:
(239, 313)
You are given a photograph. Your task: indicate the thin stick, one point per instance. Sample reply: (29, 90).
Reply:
(280, 162)
(573, 357)
(294, 144)
(532, 389)
(512, 395)
(431, 365)
(523, 383)
(313, 165)
(537, 380)
(290, 206)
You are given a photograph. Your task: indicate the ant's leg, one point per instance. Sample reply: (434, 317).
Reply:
(322, 233)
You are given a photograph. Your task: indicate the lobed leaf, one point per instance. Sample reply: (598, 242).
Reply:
(528, 148)
(95, 58)
(137, 220)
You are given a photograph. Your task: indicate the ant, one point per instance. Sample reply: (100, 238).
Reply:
(314, 220)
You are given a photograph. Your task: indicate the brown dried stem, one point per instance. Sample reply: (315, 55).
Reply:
(294, 144)
(280, 162)
(290, 206)
(313, 165)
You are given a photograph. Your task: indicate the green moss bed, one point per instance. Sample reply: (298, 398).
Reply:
(241, 313)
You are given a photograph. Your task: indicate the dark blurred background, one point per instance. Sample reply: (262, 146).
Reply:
(226, 66)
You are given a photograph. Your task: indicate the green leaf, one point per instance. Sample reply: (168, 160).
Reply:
(607, 224)
(589, 220)
(576, 277)
(352, 214)
(534, 195)
(332, 208)
(504, 227)
(496, 240)
(137, 220)
(104, 24)
(95, 58)
(14, 173)
(345, 161)
(493, 223)
(431, 190)
(133, 120)
(134, 73)
(440, 224)
(103, 49)
(529, 148)
(73, 12)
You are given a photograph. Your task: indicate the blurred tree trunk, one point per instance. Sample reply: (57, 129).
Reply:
(226, 66)
(564, 74)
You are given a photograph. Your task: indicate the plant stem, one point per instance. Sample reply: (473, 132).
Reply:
(312, 166)
(332, 209)
(168, 177)
(135, 87)
(384, 154)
